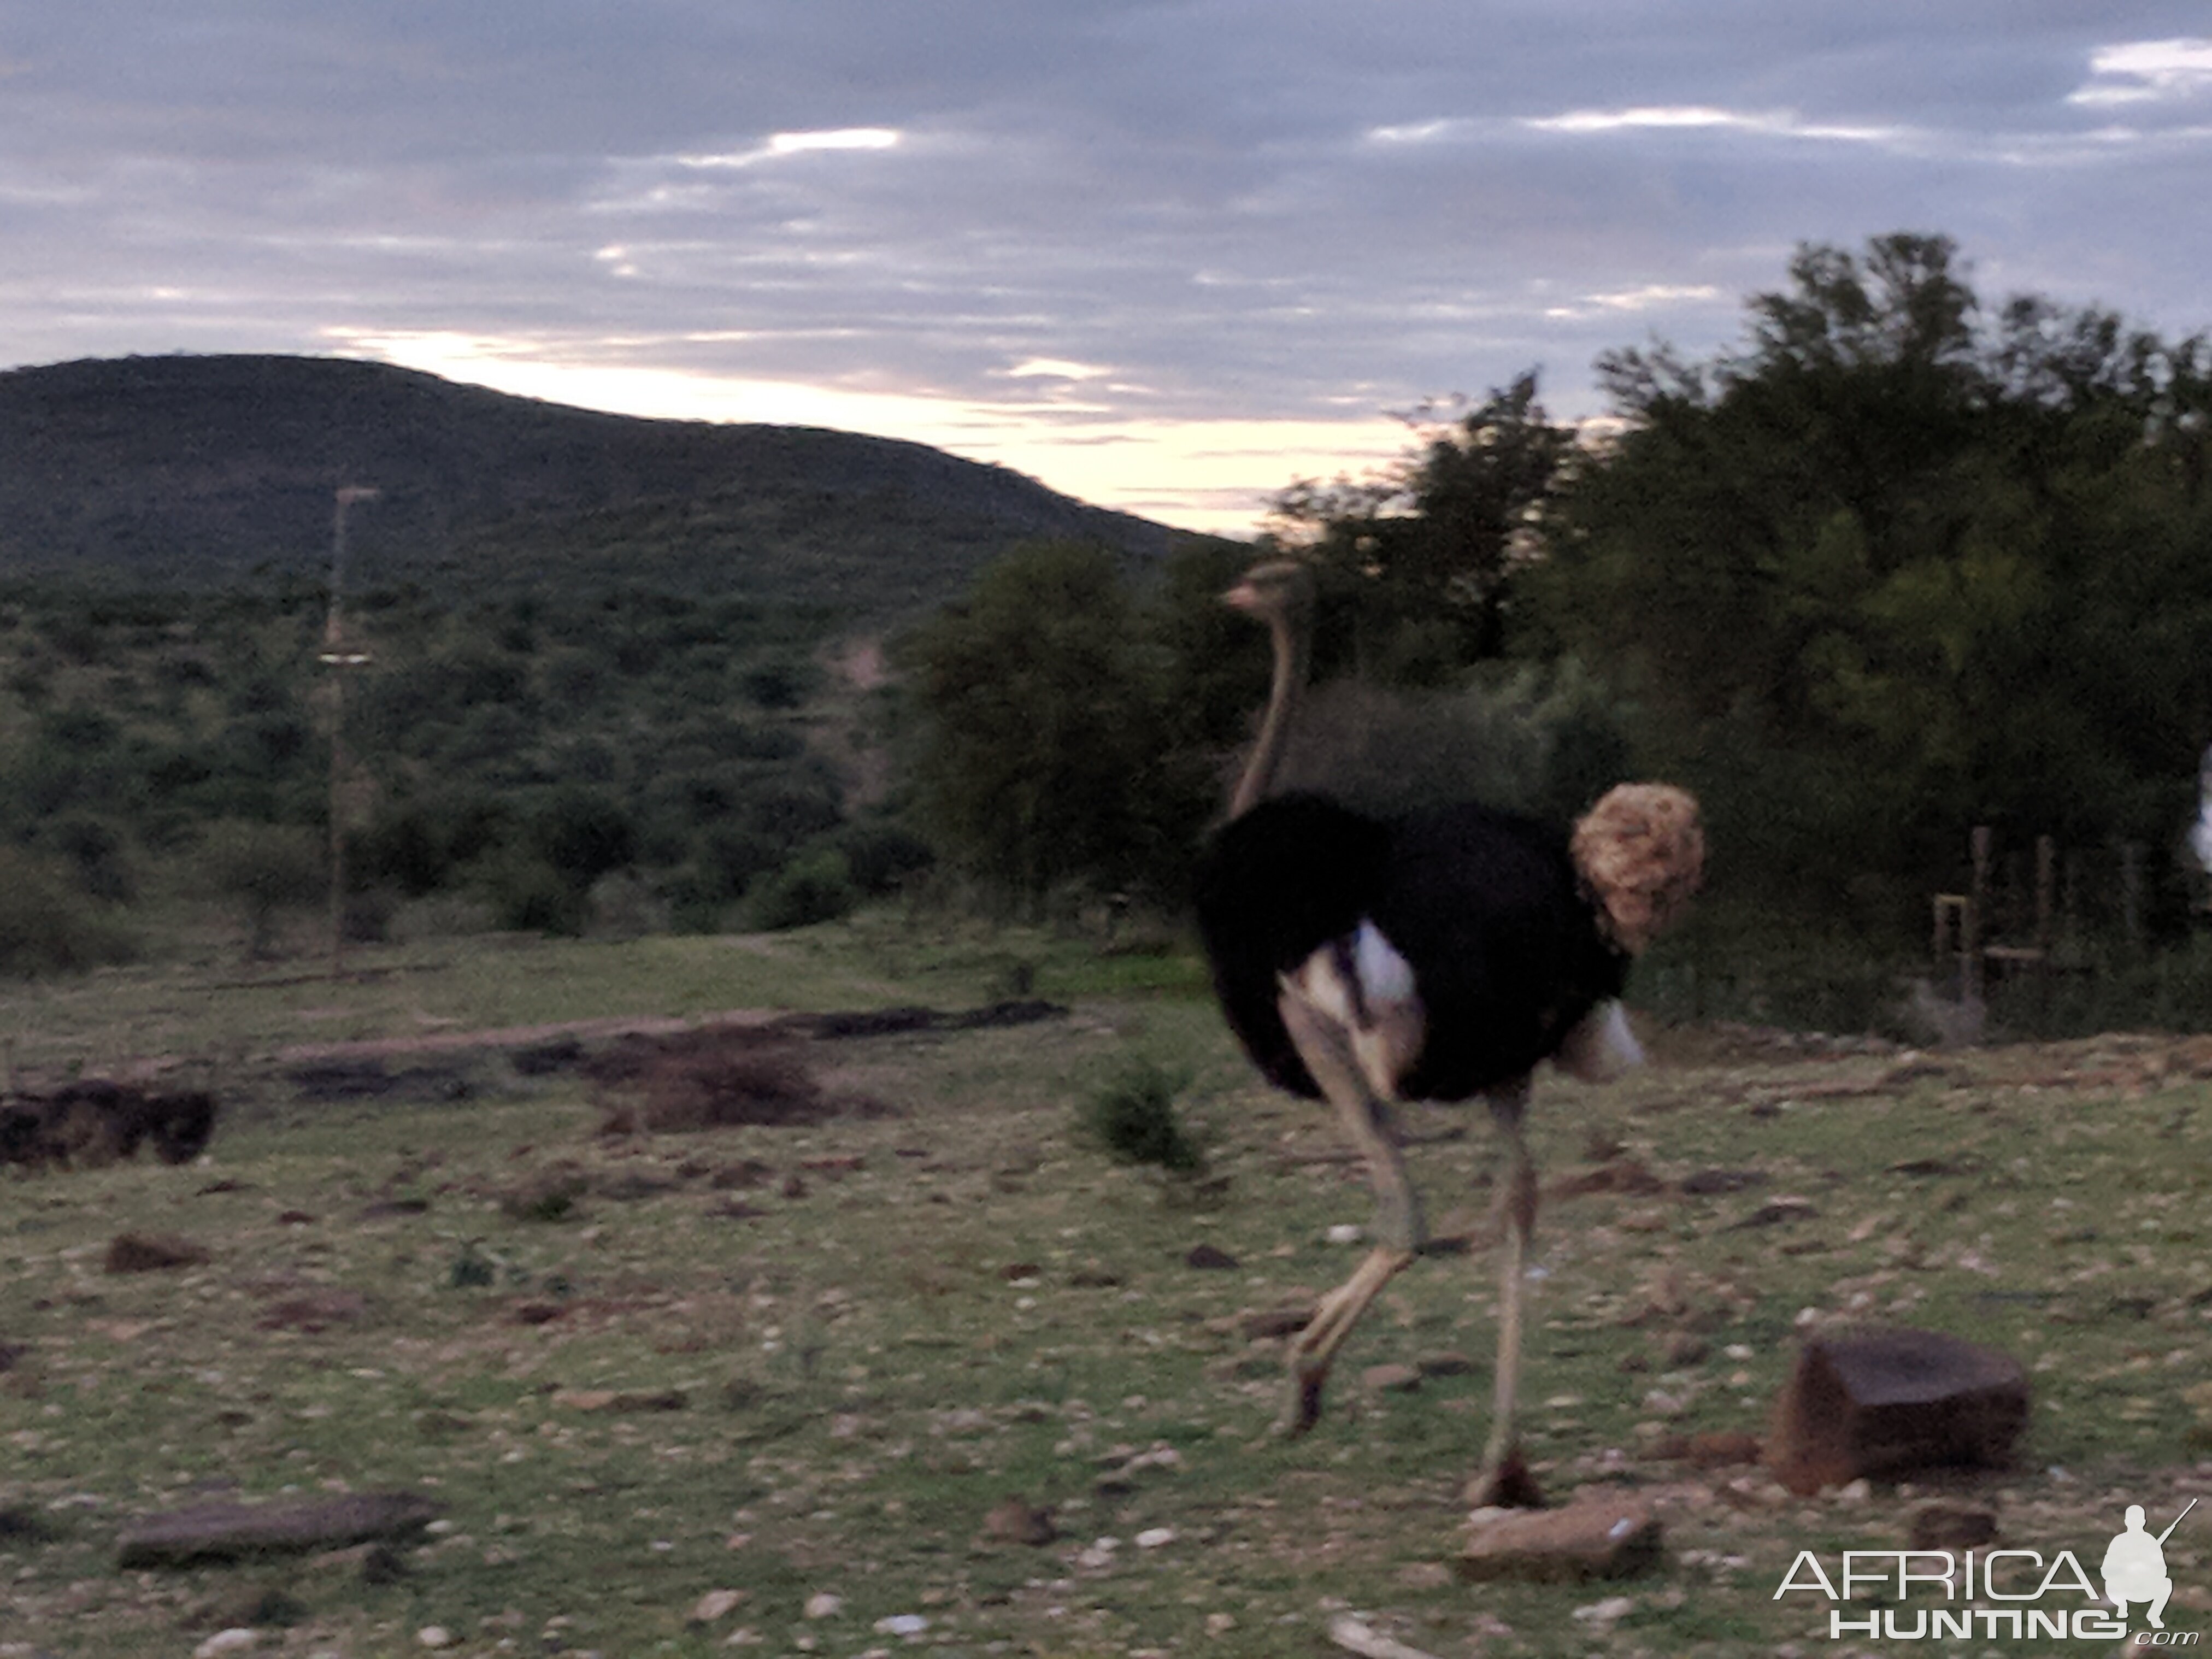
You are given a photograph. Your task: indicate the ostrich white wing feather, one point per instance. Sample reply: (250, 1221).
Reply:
(1601, 1046)
(1362, 985)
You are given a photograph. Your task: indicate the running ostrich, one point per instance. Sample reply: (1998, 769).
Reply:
(1434, 956)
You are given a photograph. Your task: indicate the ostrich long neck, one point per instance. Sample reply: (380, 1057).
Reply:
(1292, 647)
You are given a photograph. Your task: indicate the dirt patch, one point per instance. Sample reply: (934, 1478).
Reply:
(713, 1079)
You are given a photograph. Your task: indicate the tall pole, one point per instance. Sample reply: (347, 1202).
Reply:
(338, 658)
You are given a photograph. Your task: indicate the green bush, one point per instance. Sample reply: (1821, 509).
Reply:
(814, 887)
(46, 928)
(1134, 1118)
(529, 896)
(263, 869)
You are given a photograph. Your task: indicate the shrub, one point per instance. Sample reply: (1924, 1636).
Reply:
(529, 896)
(813, 887)
(1134, 1118)
(47, 928)
(263, 869)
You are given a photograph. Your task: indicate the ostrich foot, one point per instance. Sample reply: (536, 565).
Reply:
(1301, 1409)
(1505, 1485)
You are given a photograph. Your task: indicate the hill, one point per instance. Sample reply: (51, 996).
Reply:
(198, 470)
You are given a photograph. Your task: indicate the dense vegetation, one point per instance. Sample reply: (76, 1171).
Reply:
(1900, 564)
(657, 747)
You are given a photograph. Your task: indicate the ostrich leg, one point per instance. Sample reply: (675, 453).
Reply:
(1503, 1478)
(1327, 1053)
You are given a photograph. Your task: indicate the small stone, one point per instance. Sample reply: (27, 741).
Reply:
(1594, 1537)
(902, 1624)
(1154, 1538)
(236, 1640)
(1208, 1256)
(1940, 1524)
(1347, 1232)
(434, 1635)
(1220, 1623)
(1610, 1610)
(1016, 1521)
(717, 1604)
(1445, 1365)
(143, 1252)
(1425, 1575)
(1390, 1379)
(823, 1605)
(1275, 1322)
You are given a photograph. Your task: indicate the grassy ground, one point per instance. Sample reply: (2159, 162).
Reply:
(818, 1377)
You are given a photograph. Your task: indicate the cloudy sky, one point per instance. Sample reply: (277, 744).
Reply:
(1164, 254)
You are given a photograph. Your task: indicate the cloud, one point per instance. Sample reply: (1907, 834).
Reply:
(1099, 231)
(797, 143)
(1774, 123)
(2146, 72)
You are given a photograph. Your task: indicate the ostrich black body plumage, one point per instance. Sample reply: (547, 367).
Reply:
(1485, 907)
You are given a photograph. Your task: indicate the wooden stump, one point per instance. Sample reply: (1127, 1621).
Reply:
(1883, 1402)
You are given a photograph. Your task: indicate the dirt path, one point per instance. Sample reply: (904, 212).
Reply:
(522, 1036)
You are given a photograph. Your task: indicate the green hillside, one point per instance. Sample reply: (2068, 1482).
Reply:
(200, 471)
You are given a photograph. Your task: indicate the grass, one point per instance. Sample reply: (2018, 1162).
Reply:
(904, 1319)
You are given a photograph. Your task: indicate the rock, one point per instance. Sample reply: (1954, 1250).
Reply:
(1449, 1364)
(1882, 1402)
(1424, 1576)
(1706, 1182)
(1355, 1636)
(1153, 1538)
(1942, 1524)
(716, 1604)
(1596, 1536)
(237, 1640)
(315, 1312)
(1390, 1379)
(1618, 1174)
(142, 1253)
(1716, 1448)
(823, 1605)
(1275, 1322)
(1206, 1255)
(434, 1635)
(228, 1531)
(609, 1400)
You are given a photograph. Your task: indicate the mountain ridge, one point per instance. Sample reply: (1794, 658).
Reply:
(199, 470)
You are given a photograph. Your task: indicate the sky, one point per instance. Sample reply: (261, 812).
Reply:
(1165, 255)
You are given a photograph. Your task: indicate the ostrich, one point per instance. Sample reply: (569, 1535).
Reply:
(1434, 956)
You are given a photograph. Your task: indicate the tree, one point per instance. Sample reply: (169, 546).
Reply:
(1042, 742)
(1899, 567)
(1428, 550)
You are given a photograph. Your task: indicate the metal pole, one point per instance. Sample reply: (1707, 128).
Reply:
(339, 660)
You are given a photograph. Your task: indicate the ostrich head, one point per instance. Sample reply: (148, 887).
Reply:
(1642, 851)
(1278, 590)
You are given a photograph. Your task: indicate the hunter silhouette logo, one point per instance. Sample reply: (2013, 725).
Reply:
(2134, 1566)
(1998, 1594)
